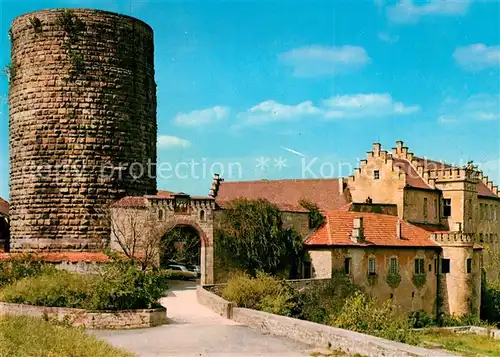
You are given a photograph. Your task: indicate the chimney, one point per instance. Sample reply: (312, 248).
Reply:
(357, 230)
(399, 229)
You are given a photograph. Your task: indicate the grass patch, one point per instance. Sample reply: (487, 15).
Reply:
(27, 336)
(465, 344)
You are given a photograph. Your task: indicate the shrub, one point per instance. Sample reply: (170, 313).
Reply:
(264, 293)
(58, 288)
(320, 302)
(490, 305)
(361, 314)
(118, 286)
(123, 285)
(21, 266)
(421, 319)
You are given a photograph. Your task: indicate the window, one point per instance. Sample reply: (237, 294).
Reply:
(202, 215)
(469, 209)
(160, 214)
(419, 266)
(425, 207)
(347, 266)
(393, 267)
(469, 265)
(376, 174)
(447, 207)
(445, 266)
(481, 239)
(371, 266)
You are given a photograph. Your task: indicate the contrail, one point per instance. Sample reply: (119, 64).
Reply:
(293, 151)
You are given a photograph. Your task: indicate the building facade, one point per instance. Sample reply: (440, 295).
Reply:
(403, 227)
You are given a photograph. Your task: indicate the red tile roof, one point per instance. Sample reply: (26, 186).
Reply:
(165, 194)
(379, 230)
(286, 194)
(4, 207)
(413, 179)
(71, 257)
(483, 190)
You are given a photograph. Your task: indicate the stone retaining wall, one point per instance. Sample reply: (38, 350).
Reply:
(214, 302)
(473, 330)
(122, 319)
(316, 334)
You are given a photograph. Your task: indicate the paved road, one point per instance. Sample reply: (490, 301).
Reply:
(194, 330)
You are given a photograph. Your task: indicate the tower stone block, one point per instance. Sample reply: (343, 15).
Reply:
(82, 120)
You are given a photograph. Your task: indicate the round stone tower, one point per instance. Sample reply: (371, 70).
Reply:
(82, 120)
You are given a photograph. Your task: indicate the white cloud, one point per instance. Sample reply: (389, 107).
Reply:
(271, 110)
(339, 107)
(477, 56)
(202, 117)
(319, 61)
(406, 11)
(169, 142)
(365, 105)
(479, 107)
(385, 37)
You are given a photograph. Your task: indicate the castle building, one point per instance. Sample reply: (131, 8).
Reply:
(402, 227)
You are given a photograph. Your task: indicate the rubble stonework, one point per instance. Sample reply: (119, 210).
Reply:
(82, 104)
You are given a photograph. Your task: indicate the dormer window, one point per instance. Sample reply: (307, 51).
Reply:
(376, 174)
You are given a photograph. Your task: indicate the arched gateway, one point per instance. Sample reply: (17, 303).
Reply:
(157, 215)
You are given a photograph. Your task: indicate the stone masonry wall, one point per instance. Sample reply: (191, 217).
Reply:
(121, 319)
(82, 100)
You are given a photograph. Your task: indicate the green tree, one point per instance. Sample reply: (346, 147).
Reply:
(250, 236)
(316, 218)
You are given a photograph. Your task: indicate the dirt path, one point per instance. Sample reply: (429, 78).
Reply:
(194, 330)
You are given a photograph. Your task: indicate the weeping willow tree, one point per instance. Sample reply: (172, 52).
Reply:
(250, 236)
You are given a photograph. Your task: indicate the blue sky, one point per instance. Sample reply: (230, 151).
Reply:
(275, 89)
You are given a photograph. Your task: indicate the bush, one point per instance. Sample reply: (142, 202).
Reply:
(361, 314)
(490, 305)
(119, 286)
(122, 285)
(319, 302)
(58, 288)
(421, 319)
(264, 293)
(21, 266)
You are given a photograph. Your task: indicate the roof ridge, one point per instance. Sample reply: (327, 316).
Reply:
(278, 180)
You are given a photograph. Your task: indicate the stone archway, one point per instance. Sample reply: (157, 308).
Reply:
(166, 211)
(206, 239)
